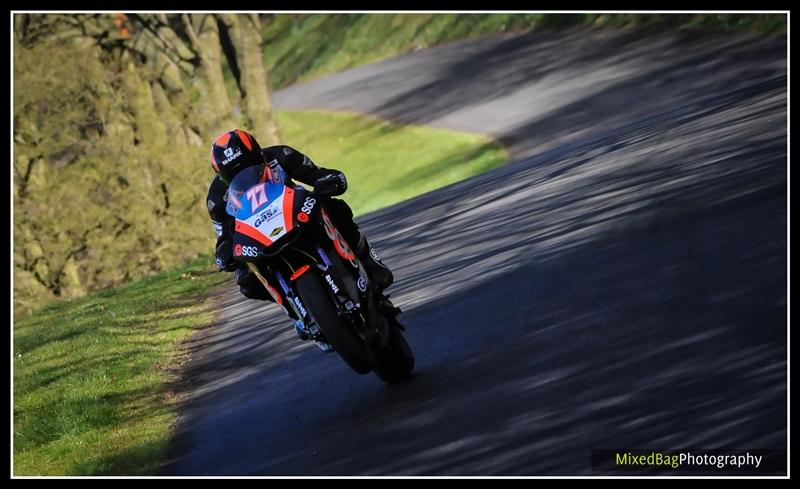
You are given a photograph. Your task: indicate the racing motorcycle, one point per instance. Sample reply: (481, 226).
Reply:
(285, 236)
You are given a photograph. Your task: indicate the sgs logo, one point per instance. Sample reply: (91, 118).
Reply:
(308, 205)
(250, 251)
(305, 211)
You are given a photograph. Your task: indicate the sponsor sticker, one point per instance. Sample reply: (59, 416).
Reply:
(302, 217)
(334, 288)
(266, 215)
(230, 155)
(250, 251)
(278, 175)
(308, 204)
(300, 306)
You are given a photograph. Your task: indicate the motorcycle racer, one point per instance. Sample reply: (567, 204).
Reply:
(236, 150)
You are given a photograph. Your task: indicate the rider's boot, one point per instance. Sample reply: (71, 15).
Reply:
(379, 274)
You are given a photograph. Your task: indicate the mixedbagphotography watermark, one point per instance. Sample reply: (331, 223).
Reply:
(690, 461)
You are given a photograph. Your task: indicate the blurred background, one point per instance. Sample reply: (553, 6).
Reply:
(113, 114)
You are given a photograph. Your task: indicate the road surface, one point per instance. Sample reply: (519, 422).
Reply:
(621, 284)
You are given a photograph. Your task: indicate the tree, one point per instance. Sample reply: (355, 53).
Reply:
(110, 148)
(241, 41)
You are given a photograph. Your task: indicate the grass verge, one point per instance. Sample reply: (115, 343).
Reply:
(385, 162)
(92, 376)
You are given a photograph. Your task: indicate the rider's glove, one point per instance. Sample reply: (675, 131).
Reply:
(329, 185)
(224, 257)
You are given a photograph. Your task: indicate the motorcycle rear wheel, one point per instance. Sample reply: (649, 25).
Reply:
(395, 361)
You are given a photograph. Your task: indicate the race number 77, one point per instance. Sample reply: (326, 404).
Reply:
(257, 196)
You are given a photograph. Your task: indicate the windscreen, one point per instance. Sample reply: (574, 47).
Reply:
(252, 189)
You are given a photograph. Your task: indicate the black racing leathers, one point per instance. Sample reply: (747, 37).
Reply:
(290, 165)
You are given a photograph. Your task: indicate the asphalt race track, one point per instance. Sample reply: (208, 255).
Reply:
(621, 284)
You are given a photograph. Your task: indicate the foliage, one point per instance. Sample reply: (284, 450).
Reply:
(112, 118)
(102, 193)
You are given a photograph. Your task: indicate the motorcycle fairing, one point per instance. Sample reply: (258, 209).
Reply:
(270, 220)
(263, 211)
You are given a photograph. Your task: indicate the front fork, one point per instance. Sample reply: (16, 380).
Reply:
(351, 310)
(293, 299)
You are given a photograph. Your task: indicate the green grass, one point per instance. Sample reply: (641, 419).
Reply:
(384, 162)
(93, 376)
(299, 47)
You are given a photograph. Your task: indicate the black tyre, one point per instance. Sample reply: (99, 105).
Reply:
(394, 362)
(349, 345)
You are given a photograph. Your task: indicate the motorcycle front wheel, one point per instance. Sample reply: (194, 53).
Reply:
(349, 345)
